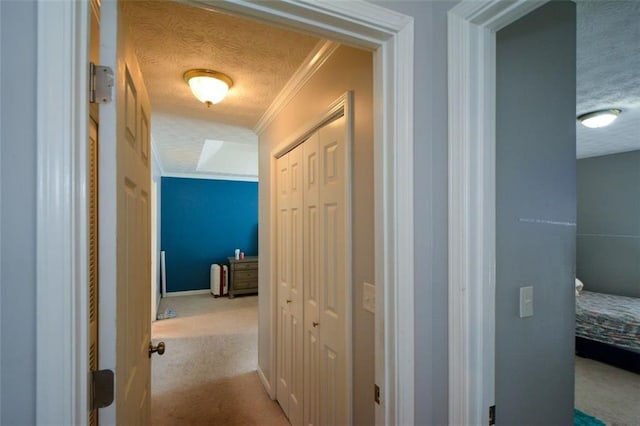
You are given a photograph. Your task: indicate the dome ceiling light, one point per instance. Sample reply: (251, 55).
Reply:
(210, 87)
(601, 118)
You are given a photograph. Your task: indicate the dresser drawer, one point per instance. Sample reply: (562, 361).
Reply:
(241, 266)
(240, 284)
(245, 274)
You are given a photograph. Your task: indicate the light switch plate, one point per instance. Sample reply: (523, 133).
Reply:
(526, 302)
(369, 297)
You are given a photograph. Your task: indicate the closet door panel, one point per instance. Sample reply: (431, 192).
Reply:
(283, 279)
(333, 275)
(296, 287)
(311, 282)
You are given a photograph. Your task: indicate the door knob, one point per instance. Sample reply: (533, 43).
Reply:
(160, 348)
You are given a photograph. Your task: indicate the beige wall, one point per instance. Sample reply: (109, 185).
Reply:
(347, 69)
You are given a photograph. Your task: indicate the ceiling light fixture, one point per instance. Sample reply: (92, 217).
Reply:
(599, 118)
(210, 87)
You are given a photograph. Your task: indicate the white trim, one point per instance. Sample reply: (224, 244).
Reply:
(348, 211)
(355, 22)
(107, 209)
(62, 129)
(187, 293)
(63, 39)
(1, 95)
(163, 272)
(156, 292)
(273, 279)
(213, 176)
(472, 26)
(311, 64)
(341, 106)
(265, 382)
(400, 225)
(382, 413)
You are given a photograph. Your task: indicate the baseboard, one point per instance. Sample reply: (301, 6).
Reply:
(265, 383)
(187, 293)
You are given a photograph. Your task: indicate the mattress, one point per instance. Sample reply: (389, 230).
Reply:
(610, 319)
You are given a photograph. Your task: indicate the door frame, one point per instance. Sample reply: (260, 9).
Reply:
(62, 122)
(472, 27)
(61, 375)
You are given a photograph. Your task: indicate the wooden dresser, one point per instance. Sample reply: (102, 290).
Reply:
(243, 275)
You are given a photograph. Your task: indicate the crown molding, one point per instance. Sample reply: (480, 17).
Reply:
(311, 64)
(213, 176)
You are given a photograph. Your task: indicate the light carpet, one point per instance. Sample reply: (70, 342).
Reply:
(208, 374)
(608, 393)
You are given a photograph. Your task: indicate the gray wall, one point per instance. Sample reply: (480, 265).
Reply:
(608, 258)
(18, 220)
(430, 207)
(536, 214)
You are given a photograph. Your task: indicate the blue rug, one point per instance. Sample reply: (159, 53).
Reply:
(582, 419)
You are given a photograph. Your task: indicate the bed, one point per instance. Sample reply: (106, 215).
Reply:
(608, 329)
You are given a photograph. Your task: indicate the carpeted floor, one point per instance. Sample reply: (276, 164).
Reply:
(608, 393)
(208, 374)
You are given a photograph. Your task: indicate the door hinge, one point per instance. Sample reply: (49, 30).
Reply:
(376, 394)
(101, 388)
(492, 415)
(100, 84)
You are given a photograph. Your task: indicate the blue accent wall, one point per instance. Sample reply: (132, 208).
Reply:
(203, 221)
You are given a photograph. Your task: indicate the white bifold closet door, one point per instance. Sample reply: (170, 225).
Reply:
(290, 290)
(313, 279)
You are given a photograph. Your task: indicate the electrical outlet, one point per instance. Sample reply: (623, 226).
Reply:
(369, 297)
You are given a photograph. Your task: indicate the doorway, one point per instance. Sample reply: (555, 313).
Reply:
(205, 216)
(480, 151)
(369, 33)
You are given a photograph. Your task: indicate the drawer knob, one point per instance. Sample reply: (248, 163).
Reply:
(288, 300)
(315, 324)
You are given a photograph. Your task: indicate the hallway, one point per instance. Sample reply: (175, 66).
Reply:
(207, 375)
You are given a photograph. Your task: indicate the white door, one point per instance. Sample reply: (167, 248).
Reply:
(334, 274)
(290, 288)
(313, 249)
(283, 279)
(312, 289)
(125, 222)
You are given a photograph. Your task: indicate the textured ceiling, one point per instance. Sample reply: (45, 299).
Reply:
(179, 140)
(608, 74)
(171, 38)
